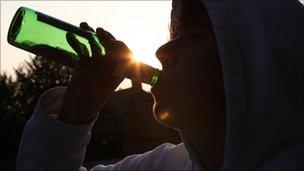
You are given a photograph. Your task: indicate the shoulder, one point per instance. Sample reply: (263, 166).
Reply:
(164, 157)
(167, 157)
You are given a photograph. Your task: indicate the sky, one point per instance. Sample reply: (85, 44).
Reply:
(142, 25)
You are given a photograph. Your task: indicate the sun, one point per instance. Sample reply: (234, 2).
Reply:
(143, 50)
(143, 43)
(147, 57)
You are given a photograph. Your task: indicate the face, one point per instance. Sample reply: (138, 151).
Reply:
(191, 86)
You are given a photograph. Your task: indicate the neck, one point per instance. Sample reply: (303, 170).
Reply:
(209, 143)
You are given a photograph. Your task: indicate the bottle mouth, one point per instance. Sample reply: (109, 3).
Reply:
(15, 25)
(155, 77)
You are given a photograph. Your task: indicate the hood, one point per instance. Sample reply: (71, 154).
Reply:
(261, 52)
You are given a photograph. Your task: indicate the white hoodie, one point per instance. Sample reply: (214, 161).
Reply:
(261, 52)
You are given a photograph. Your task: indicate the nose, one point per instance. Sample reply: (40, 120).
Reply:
(160, 54)
(163, 53)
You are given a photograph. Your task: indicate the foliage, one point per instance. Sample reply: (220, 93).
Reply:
(19, 97)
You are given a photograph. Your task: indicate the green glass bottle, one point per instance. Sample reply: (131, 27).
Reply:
(30, 29)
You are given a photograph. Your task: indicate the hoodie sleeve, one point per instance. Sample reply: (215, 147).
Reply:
(49, 144)
(167, 157)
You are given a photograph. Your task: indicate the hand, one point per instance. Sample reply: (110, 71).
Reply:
(93, 81)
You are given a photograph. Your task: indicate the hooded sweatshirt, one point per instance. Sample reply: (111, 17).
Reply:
(261, 51)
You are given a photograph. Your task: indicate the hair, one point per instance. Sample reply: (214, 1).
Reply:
(187, 12)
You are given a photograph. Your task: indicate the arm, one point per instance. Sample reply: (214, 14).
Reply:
(60, 143)
(49, 144)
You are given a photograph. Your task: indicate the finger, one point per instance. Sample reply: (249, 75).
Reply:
(119, 54)
(79, 48)
(55, 55)
(104, 37)
(85, 26)
(104, 33)
(96, 50)
(120, 51)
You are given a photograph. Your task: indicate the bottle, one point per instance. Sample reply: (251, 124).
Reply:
(30, 28)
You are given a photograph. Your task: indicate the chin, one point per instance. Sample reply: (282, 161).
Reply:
(156, 112)
(162, 115)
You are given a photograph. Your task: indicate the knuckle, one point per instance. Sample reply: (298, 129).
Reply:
(119, 44)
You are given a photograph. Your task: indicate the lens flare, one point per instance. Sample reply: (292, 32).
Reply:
(164, 116)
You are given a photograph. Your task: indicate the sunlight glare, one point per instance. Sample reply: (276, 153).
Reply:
(164, 116)
(142, 56)
(143, 41)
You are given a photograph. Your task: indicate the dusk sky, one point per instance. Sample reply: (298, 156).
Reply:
(142, 25)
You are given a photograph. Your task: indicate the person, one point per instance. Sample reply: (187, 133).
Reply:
(232, 85)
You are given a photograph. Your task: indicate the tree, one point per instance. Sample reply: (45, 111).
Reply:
(19, 98)
(32, 79)
(6, 93)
